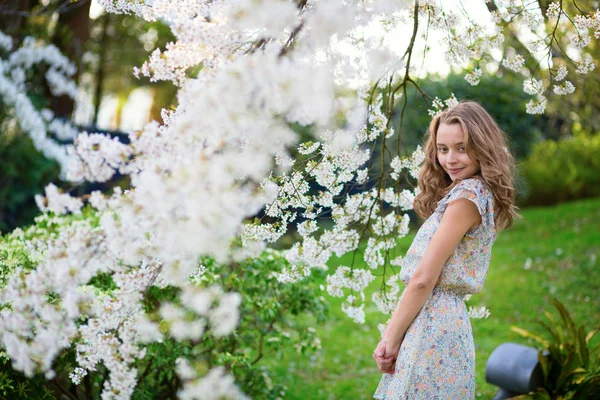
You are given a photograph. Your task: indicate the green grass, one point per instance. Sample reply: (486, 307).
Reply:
(563, 243)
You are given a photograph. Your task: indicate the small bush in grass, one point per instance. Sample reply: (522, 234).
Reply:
(570, 364)
(565, 170)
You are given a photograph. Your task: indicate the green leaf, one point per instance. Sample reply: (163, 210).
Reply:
(566, 318)
(582, 378)
(556, 335)
(528, 334)
(565, 371)
(590, 335)
(544, 363)
(584, 352)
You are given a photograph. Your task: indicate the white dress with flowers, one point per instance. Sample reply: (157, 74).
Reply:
(437, 357)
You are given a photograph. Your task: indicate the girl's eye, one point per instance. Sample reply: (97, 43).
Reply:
(462, 149)
(442, 150)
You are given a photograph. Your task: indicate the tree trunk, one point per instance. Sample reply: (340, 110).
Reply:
(70, 37)
(101, 68)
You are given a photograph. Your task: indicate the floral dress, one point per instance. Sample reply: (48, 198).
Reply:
(437, 356)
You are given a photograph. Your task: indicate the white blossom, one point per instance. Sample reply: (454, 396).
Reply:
(37, 123)
(561, 73)
(307, 227)
(514, 62)
(564, 88)
(580, 40)
(553, 10)
(308, 148)
(438, 105)
(6, 42)
(57, 202)
(533, 86)
(411, 163)
(474, 76)
(536, 107)
(77, 375)
(357, 314)
(96, 157)
(98, 201)
(586, 65)
(216, 385)
(479, 312)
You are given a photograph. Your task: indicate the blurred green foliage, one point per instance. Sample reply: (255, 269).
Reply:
(24, 173)
(501, 96)
(563, 170)
(270, 321)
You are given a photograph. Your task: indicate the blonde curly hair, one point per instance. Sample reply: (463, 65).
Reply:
(487, 146)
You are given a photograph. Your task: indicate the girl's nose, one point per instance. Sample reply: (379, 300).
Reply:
(451, 157)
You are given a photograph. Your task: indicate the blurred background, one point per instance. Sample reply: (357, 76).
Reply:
(557, 152)
(551, 252)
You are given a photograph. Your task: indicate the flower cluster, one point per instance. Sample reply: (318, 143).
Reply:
(57, 202)
(38, 124)
(437, 106)
(585, 65)
(561, 73)
(387, 301)
(514, 62)
(564, 88)
(536, 107)
(479, 312)
(357, 281)
(554, 10)
(533, 86)
(568, 30)
(96, 158)
(474, 76)
(34, 329)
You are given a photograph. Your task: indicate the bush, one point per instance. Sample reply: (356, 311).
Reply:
(565, 170)
(272, 322)
(570, 365)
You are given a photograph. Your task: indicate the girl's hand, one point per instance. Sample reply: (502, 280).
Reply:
(385, 355)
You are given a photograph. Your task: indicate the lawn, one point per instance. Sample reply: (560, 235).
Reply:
(562, 244)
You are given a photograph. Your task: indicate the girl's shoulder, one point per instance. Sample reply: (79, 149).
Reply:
(476, 190)
(475, 185)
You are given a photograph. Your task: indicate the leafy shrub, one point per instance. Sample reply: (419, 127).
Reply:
(569, 364)
(565, 170)
(272, 322)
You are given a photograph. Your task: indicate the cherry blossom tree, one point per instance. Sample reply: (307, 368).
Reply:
(250, 76)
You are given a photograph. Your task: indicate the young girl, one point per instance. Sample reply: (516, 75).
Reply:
(467, 193)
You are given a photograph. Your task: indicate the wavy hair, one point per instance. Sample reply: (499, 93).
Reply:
(487, 146)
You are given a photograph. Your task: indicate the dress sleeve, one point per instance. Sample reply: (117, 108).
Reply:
(475, 191)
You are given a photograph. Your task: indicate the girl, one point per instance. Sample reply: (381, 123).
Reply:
(467, 192)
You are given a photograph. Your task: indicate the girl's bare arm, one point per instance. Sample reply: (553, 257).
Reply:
(460, 216)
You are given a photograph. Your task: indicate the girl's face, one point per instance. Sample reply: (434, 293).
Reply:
(452, 152)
